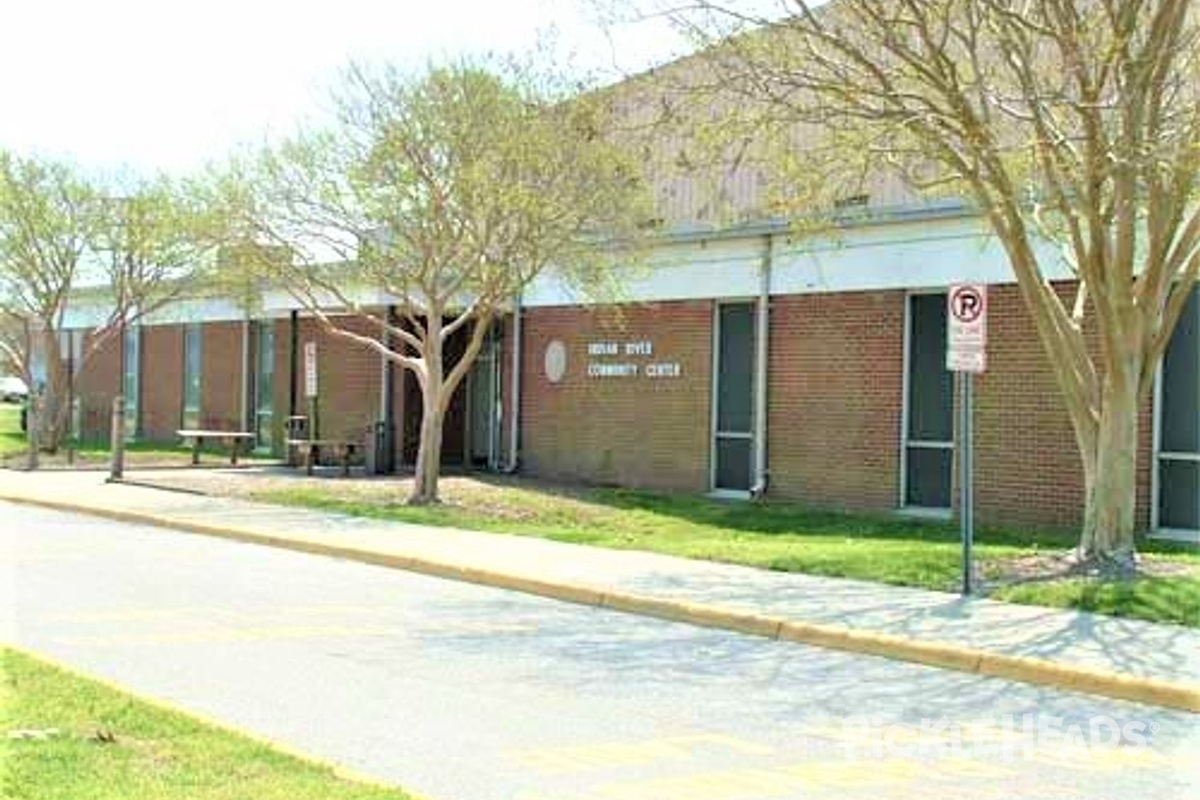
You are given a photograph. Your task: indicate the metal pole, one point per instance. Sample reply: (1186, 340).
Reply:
(117, 469)
(966, 481)
(71, 398)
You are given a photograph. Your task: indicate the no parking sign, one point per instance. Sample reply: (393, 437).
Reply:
(966, 342)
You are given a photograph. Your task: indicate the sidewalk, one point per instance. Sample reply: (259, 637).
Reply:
(1127, 659)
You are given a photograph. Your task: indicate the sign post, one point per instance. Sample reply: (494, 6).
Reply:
(966, 354)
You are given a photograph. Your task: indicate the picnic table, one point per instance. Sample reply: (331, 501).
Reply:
(344, 450)
(199, 437)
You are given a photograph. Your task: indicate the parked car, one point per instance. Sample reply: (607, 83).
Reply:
(13, 390)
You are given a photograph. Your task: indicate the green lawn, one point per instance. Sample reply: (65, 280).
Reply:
(777, 536)
(152, 755)
(11, 439)
(1163, 599)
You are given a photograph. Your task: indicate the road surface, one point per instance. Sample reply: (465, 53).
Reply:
(461, 692)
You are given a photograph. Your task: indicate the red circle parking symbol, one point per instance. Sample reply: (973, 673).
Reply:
(966, 304)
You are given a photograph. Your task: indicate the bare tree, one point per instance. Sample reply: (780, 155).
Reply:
(1071, 121)
(442, 196)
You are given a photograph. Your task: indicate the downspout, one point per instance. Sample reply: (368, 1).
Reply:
(514, 417)
(761, 362)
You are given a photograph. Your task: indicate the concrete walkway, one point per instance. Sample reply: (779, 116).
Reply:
(1128, 659)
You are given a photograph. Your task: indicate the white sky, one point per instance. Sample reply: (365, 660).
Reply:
(169, 84)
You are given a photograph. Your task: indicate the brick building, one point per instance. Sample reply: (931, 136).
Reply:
(739, 361)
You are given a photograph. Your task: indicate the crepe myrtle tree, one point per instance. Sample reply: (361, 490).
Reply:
(442, 195)
(45, 226)
(155, 241)
(1074, 123)
(66, 245)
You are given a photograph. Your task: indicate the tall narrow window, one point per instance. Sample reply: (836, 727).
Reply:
(1179, 425)
(733, 445)
(264, 385)
(192, 361)
(929, 436)
(131, 380)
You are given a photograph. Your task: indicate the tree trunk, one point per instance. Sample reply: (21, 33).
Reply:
(33, 425)
(55, 410)
(429, 452)
(1110, 475)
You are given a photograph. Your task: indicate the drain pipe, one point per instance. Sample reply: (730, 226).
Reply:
(514, 415)
(761, 473)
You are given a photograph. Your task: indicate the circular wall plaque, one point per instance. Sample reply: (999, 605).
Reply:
(556, 361)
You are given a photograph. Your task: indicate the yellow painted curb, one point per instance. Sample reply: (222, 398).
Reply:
(695, 614)
(1183, 696)
(337, 770)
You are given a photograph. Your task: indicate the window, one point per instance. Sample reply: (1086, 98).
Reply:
(929, 406)
(264, 385)
(131, 380)
(733, 445)
(192, 366)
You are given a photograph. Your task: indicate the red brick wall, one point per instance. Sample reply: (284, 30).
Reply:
(221, 376)
(162, 381)
(1028, 468)
(97, 384)
(349, 379)
(834, 402)
(834, 398)
(634, 431)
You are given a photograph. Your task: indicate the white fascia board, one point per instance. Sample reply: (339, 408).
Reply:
(910, 254)
(277, 301)
(86, 314)
(215, 309)
(904, 256)
(896, 255)
(673, 271)
(280, 303)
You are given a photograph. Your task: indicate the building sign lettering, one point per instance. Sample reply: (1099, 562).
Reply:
(642, 348)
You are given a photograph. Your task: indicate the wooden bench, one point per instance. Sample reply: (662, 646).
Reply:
(198, 438)
(343, 450)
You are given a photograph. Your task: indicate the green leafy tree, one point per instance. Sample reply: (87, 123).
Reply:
(45, 225)
(112, 258)
(442, 195)
(155, 241)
